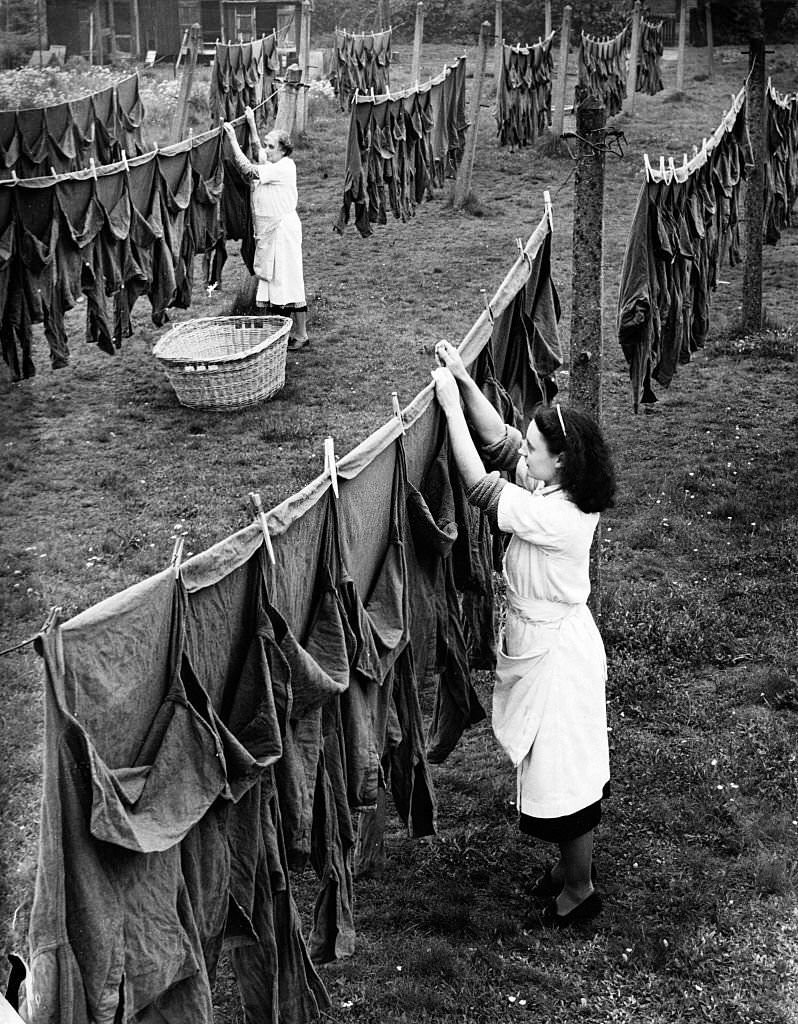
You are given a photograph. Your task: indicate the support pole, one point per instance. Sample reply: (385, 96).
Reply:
(497, 42)
(710, 42)
(462, 184)
(286, 111)
(754, 188)
(586, 282)
(98, 31)
(418, 41)
(682, 41)
(112, 31)
(304, 63)
(222, 35)
(562, 73)
(634, 53)
(186, 82)
(135, 28)
(547, 17)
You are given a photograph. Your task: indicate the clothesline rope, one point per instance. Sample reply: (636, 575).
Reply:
(141, 158)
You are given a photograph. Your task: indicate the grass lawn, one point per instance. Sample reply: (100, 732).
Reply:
(100, 470)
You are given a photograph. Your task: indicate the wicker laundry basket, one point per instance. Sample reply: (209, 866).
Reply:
(225, 362)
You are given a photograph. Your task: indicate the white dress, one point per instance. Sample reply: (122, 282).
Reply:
(278, 234)
(549, 701)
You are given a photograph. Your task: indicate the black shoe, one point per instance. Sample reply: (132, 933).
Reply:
(585, 911)
(546, 888)
(295, 343)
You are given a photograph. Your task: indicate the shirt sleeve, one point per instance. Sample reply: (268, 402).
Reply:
(550, 522)
(281, 173)
(504, 453)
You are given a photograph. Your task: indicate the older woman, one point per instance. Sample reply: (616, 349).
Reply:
(278, 229)
(549, 705)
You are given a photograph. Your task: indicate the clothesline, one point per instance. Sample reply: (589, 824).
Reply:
(403, 94)
(699, 158)
(103, 170)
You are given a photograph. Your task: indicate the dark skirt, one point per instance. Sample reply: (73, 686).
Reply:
(569, 826)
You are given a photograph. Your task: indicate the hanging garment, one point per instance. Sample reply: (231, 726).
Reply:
(129, 115)
(104, 108)
(523, 99)
(399, 149)
(205, 213)
(601, 65)
(649, 77)
(525, 339)
(361, 63)
(686, 224)
(62, 150)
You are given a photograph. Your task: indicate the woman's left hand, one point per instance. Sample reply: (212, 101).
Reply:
(446, 389)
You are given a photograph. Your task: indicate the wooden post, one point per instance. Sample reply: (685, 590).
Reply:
(383, 14)
(98, 31)
(498, 42)
(754, 189)
(91, 37)
(135, 28)
(180, 121)
(286, 110)
(710, 42)
(462, 184)
(562, 73)
(634, 53)
(222, 35)
(586, 282)
(547, 17)
(111, 31)
(304, 63)
(682, 41)
(418, 40)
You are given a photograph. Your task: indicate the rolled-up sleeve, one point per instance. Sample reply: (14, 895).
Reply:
(485, 495)
(504, 453)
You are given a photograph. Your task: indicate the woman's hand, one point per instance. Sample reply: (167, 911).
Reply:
(229, 130)
(446, 389)
(448, 356)
(249, 114)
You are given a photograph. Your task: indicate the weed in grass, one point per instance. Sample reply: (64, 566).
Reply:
(774, 874)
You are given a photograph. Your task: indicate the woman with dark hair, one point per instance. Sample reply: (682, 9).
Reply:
(278, 229)
(549, 704)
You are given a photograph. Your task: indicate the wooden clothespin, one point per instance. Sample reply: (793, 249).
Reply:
(260, 515)
(54, 172)
(548, 208)
(487, 304)
(124, 160)
(522, 253)
(663, 176)
(14, 177)
(397, 410)
(93, 166)
(177, 555)
(329, 463)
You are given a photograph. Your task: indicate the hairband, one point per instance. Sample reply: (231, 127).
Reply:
(559, 417)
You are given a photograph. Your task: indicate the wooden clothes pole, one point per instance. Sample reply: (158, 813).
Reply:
(304, 63)
(754, 188)
(286, 109)
(634, 53)
(135, 26)
(547, 18)
(98, 31)
(498, 42)
(462, 184)
(710, 42)
(682, 41)
(562, 73)
(186, 82)
(586, 282)
(418, 41)
(111, 30)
